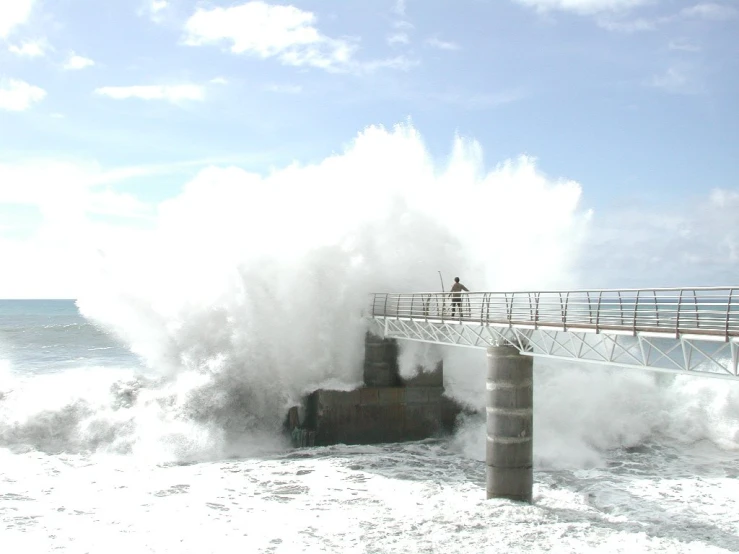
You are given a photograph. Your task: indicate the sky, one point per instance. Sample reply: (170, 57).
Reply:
(109, 109)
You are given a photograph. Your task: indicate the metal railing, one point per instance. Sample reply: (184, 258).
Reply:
(702, 311)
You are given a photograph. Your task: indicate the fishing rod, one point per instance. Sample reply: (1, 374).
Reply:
(443, 290)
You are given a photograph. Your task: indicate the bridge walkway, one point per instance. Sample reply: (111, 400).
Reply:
(676, 330)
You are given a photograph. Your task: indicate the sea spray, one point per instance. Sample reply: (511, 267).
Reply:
(249, 292)
(584, 410)
(259, 282)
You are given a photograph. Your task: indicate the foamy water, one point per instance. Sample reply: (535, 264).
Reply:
(420, 497)
(150, 420)
(102, 458)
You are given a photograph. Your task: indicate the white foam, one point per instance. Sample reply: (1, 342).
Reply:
(258, 282)
(249, 291)
(397, 498)
(584, 410)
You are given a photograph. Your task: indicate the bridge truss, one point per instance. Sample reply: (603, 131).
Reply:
(687, 331)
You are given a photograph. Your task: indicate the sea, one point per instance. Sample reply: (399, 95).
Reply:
(102, 451)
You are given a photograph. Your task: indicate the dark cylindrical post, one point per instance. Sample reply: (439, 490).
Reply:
(510, 422)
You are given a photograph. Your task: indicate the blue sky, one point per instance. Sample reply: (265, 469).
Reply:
(637, 100)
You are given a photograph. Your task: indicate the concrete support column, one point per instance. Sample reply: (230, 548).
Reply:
(510, 423)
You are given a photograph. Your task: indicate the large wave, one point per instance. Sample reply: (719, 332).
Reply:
(249, 291)
(257, 283)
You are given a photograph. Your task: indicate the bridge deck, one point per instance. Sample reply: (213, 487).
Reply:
(697, 311)
(661, 329)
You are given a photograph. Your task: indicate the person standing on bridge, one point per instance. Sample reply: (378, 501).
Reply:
(456, 295)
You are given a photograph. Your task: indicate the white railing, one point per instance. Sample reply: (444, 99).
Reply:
(699, 311)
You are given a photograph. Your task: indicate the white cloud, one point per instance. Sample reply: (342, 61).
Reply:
(154, 9)
(675, 81)
(710, 10)
(29, 49)
(78, 211)
(118, 204)
(442, 45)
(671, 80)
(33, 261)
(399, 7)
(401, 63)
(627, 26)
(76, 62)
(56, 185)
(398, 38)
(698, 242)
(169, 93)
(583, 6)
(12, 14)
(157, 6)
(478, 101)
(722, 198)
(684, 46)
(284, 89)
(284, 32)
(17, 95)
(219, 81)
(407, 25)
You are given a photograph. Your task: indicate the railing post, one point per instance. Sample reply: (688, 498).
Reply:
(384, 309)
(590, 308)
(697, 312)
(531, 307)
(510, 313)
(728, 312)
(677, 319)
(597, 312)
(561, 310)
(636, 307)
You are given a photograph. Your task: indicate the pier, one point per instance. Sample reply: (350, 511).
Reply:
(690, 331)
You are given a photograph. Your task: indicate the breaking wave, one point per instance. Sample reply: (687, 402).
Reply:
(249, 291)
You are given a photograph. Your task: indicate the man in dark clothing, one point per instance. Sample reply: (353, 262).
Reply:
(456, 295)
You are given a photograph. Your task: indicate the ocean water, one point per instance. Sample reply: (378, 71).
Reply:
(99, 452)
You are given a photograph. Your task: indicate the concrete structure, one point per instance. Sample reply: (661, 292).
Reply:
(510, 424)
(387, 409)
(377, 414)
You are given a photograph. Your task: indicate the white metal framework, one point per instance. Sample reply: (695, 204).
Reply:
(694, 331)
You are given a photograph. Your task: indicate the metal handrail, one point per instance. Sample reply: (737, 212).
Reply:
(547, 291)
(675, 311)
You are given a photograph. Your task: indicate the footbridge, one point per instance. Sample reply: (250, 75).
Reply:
(692, 331)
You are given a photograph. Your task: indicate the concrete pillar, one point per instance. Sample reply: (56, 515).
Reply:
(510, 422)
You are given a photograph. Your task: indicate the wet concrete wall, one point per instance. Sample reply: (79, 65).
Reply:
(387, 409)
